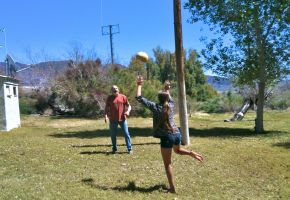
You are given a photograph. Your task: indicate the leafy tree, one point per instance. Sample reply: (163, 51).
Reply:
(149, 70)
(195, 80)
(257, 50)
(211, 105)
(137, 67)
(153, 70)
(166, 62)
(280, 98)
(79, 89)
(231, 101)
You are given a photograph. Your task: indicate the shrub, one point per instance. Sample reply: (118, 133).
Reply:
(41, 102)
(77, 91)
(231, 101)
(27, 105)
(211, 106)
(279, 100)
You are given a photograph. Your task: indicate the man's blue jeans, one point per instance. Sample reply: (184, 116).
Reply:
(113, 131)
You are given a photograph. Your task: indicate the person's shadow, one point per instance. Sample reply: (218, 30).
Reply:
(130, 187)
(101, 152)
(134, 132)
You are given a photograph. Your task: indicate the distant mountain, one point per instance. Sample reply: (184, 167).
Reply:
(37, 74)
(220, 84)
(42, 72)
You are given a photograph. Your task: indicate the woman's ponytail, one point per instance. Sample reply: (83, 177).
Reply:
(165, 116)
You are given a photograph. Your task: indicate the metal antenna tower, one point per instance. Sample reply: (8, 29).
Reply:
(110, 30)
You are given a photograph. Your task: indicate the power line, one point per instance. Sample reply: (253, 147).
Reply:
(7, 72)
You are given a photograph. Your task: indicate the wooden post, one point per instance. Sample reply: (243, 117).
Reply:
(180, 73)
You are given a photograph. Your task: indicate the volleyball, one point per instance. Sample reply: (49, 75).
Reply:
(142, 56)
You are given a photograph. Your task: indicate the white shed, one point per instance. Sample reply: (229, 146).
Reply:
(9, 103)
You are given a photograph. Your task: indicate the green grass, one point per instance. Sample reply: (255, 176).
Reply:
(62, 158)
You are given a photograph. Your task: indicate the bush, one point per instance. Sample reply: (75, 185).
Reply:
(230, 101)
(79, 90)
(149, 90)
(280, 104)
(279, 101)
(27, 105)
(192, 105)
(211, 106)
(41, 102)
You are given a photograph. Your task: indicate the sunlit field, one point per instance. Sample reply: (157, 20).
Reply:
(69, 158)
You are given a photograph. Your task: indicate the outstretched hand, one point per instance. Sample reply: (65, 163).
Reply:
(140, 80)
(167, 86)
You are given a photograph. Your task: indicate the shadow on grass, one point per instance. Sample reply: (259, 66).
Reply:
(222, 132)
(131, 187)
(144, 132)
(286, 145)
(109, 145)
(101, 152)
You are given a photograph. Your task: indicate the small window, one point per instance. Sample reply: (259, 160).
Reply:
(8, 89)
(14, 91)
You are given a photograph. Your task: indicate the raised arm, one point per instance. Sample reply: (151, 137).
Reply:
(149, 104)
(139, 86)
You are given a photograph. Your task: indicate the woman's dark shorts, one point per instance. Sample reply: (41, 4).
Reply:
(171, 139)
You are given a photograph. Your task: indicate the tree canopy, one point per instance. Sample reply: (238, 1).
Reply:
(253, 46)
(248, 31)
(85, 85)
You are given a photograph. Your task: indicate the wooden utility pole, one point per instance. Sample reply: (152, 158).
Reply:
(180, 73)
(110, 30)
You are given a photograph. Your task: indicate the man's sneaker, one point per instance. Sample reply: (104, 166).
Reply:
(130, 152)
(113, 152)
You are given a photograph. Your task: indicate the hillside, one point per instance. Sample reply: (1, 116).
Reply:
(37, 74)
(219, 83)
(43, 72)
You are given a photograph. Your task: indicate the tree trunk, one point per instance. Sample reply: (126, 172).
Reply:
(259, 121)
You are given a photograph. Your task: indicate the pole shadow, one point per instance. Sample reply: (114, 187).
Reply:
(225, 132)
(222, 132)
(285, 145)
(131, 187)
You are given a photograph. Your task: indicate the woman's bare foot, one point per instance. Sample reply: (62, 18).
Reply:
(197, 156)
(171, 190)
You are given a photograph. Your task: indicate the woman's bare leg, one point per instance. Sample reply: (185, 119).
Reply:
(166, 155)
(181, 151)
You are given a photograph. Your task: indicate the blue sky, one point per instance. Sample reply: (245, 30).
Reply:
(42, 30)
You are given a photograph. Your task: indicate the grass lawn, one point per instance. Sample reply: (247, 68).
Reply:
(62, 158)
